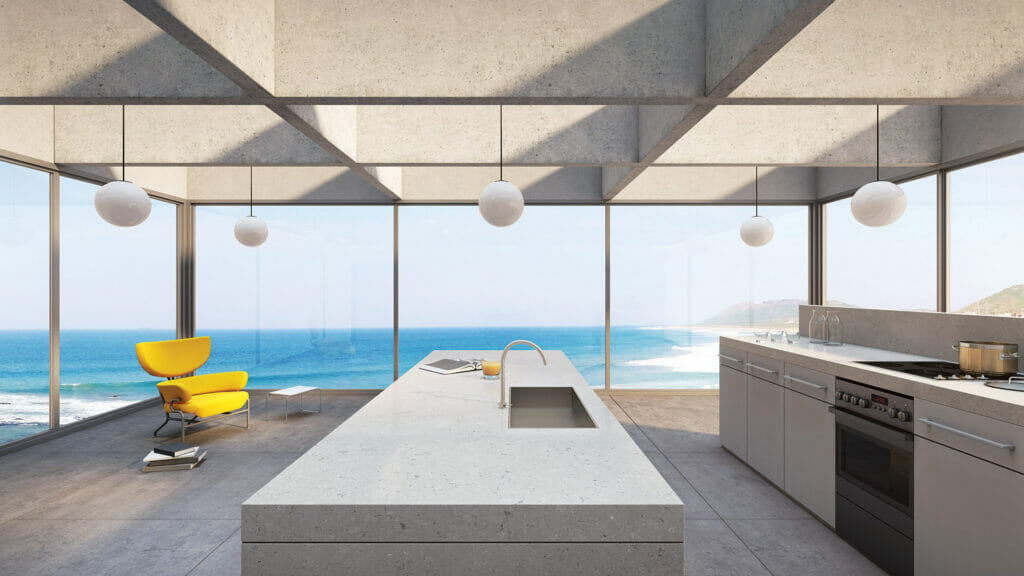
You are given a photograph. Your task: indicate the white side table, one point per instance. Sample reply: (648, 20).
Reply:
(288, 393)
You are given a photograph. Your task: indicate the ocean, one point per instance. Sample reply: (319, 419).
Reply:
(99, 370)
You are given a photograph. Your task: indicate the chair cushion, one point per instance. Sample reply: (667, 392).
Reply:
(184, 389)
(204, 405)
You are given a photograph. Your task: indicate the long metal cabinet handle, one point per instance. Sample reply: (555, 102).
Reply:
(981, 439)
(730, 358)
(763, 369)
(805, 382)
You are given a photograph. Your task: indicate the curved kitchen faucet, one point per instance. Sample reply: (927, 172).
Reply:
(504, 353)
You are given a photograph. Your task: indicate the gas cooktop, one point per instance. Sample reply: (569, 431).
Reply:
(939, 370)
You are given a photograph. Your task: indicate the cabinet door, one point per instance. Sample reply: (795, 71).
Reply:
(732, 410)
(811, 455)
(968, 514)
(766, 410)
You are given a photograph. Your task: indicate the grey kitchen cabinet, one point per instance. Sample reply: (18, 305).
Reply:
(968, 514)
(732, 410)
(766, 415)
(810, 455)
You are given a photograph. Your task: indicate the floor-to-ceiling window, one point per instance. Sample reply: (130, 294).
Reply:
(892, 267)
(985, 238)
(117, 288)
(681, 277)
(24, 313)
(312, 305)
(464, 284)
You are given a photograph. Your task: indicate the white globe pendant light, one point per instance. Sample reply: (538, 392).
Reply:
(756, 230)
(501, 203)
(878, 203)
(120, 202)
(251, 230)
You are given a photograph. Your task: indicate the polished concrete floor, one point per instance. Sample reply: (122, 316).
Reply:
(79, 504)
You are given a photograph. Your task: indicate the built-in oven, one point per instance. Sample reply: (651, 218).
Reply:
(875, 474)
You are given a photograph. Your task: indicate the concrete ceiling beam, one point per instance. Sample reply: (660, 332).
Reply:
(720, 184)
(811, 136)
(181, 135)
(833, 181)
(307, 121)
(167, 181)
(736, 48)
(970, 132)
(540, 185)
(99, 49)
(567, 49)
(27, 131)
(282, 184)
(908, 49)
(236, 37)
(469, 135)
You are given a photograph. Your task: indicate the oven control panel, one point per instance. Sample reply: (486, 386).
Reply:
(889, 407)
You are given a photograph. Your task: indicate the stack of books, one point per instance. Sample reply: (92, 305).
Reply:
(175, 456)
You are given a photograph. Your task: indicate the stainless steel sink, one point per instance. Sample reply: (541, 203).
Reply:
(547, 408)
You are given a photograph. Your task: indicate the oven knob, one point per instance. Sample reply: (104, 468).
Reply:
(863, 402)
(903, 416)
(844, 396)
(894, 412)
(853, 400)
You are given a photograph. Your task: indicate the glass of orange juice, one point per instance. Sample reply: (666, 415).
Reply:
(492, 369)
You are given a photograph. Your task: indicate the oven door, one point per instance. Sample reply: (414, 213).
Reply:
(875, 469)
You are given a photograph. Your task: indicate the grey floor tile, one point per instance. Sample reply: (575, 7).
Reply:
(632, 429)
(676, 424)
(713, 550)
(695, 506)
(38, 480)
(157, 547)
(802, 548)
(226, 560)
(732, 489)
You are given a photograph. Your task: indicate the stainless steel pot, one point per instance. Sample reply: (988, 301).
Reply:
(993, 359)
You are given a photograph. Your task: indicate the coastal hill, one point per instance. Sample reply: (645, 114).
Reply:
(1008, 302)
(770, 313)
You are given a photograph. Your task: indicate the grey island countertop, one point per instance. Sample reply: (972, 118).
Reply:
(432, 459)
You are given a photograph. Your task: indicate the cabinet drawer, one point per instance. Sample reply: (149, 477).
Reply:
(732, 357)
(765, 368)
(810, 382)
(993, 440)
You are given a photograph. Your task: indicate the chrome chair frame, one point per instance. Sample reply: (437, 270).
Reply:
(195, 420)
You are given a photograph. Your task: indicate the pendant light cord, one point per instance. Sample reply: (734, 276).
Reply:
(124, 176)
(878, 147)
(501, 142)
(250, 190)
(755, 190)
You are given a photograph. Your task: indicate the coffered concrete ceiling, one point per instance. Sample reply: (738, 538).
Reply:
(646, 101)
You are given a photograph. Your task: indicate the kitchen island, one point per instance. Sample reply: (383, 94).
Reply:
(428, 478)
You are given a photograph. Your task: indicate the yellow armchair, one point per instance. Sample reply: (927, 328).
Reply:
(206, 396)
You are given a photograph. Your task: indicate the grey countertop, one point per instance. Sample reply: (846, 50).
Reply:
(974, 397)
(431, 444)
